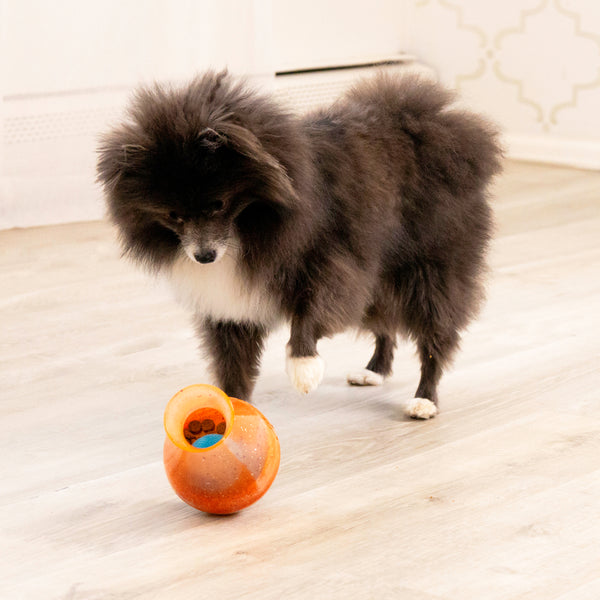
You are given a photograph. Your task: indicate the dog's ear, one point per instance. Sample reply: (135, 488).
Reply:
(211, 139)
(279, 186)
(118, 156)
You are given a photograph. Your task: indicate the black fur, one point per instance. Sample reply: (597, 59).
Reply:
(371, 213)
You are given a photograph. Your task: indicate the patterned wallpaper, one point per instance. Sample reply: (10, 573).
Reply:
(534, 65)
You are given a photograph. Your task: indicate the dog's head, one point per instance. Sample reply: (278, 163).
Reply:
(189, 171)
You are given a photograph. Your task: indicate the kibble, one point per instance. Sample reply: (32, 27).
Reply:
(195, 426)
(208, 425)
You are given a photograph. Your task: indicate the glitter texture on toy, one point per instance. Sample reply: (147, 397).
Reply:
(220, 454)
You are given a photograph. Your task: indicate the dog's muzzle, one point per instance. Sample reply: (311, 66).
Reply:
(205, 257)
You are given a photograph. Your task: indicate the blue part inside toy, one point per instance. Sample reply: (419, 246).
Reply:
(208, 440)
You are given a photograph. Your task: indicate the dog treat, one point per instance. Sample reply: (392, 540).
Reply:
(195, 426)
(208, 425)
(202, 423)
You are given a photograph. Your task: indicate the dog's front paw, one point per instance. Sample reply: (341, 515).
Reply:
(364, 377)
(305, 372)
(420, 408)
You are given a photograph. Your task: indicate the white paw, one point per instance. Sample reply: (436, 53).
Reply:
(305, 372)
(420, 408)
(365, 377)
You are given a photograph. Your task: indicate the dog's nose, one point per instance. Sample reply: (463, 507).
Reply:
(206, 256)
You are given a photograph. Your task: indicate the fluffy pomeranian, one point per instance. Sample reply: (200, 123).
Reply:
(370, 214)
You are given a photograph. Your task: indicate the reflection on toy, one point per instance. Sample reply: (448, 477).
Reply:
(220, 453)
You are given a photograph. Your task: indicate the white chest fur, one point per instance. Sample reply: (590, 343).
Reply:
(219, 290)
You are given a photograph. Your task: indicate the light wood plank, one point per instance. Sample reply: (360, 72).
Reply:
(496, 498)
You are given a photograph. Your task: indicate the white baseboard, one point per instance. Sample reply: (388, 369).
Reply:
(582, 154)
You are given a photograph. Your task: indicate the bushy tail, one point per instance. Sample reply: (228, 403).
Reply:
(450, 143)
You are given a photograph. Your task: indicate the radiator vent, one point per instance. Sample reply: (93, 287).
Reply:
(305, 90)
(299, 90)
(48, 126)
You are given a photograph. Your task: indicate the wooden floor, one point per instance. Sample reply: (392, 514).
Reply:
(496, 498)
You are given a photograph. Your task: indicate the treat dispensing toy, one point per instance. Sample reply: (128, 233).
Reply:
(220, 454)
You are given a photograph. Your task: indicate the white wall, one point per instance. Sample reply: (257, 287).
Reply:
(324, 33)
(533, 65)
(72, 45)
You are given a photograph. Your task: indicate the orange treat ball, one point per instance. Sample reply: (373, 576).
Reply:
(220, 454)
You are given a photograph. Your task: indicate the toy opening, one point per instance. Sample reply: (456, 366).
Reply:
(204, 427)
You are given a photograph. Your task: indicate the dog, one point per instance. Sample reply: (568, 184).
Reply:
(371, 214)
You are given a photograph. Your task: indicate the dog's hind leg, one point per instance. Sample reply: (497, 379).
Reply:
(234, 350)
(380, 365)
(437, 305)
